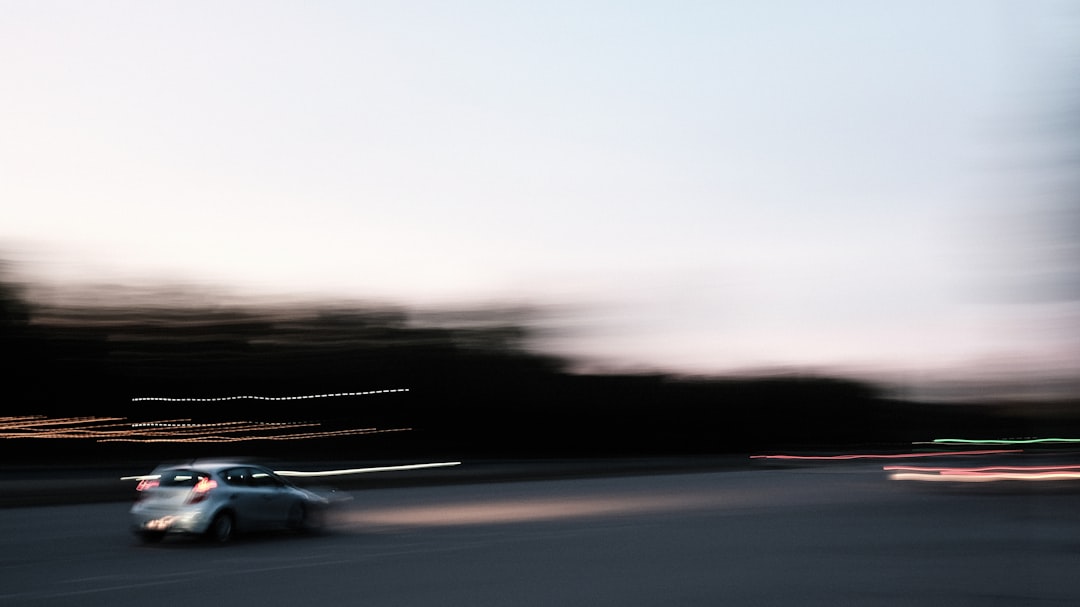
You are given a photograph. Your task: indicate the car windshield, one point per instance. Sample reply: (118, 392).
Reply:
(181, 478)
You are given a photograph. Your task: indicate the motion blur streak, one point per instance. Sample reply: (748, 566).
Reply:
(518, 511)
(366, 470)
(166, 431)
(236, 439)
(982, 469)
(885, 456)
(342, 472)
(39, 426)
(984, 474)
(40, 420)
(303, 397)
(984, 477)
(999, 441)
(33, 426)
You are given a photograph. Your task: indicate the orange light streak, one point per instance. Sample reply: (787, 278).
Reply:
(34, 421)
(169, 430)
(236, 439)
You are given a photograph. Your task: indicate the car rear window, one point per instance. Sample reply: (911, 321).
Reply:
(181, 478)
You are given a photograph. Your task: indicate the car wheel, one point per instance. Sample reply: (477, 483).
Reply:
(221, 529)
(151, 537)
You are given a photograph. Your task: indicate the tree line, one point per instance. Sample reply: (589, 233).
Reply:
(462, 389)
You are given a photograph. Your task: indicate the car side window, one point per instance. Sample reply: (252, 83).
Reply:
(262, 478)
(237, 477)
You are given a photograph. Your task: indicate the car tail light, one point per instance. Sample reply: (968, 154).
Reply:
(201, 490)
(147, 483)
(144, 485)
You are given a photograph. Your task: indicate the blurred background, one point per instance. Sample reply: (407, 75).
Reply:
(482, 229)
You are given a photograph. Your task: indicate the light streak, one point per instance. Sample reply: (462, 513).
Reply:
(979, 470)
(983, 474)
(983, 477)
(999, 441)
(493, 510)
(38, 426)
(36, 421)
(237, 439)
(182, 430)
(885, 456)
(152, 477)
(366, 470)
(269, 398)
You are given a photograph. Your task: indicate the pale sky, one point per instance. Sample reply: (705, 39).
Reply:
(708, 185)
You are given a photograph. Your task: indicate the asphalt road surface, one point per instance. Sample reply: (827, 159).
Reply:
(827, 535)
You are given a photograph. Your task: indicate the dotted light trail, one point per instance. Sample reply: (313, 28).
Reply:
(272, 398)
(238, 439)
(112, 430)
(39, 426)
(38, 421)
(885, 456)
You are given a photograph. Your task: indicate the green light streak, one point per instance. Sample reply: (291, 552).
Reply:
(1002, 441)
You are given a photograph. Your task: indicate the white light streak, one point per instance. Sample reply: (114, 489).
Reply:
(270, 398)
(342, 472)
(366, 470)
(983, 477)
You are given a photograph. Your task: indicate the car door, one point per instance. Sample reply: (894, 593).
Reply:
(273, 498)
(244, 498)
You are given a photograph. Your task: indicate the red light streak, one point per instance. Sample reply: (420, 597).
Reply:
(146, 483)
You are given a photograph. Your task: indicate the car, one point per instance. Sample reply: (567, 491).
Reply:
(217, 500)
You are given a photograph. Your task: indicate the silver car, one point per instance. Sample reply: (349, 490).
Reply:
(218, 499)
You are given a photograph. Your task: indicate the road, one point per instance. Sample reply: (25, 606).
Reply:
(825, 535)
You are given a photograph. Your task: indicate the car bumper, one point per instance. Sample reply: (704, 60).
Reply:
(150, 521)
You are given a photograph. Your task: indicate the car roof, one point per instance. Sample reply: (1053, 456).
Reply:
(209, 465)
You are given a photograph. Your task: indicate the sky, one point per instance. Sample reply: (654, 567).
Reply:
(694, 186)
